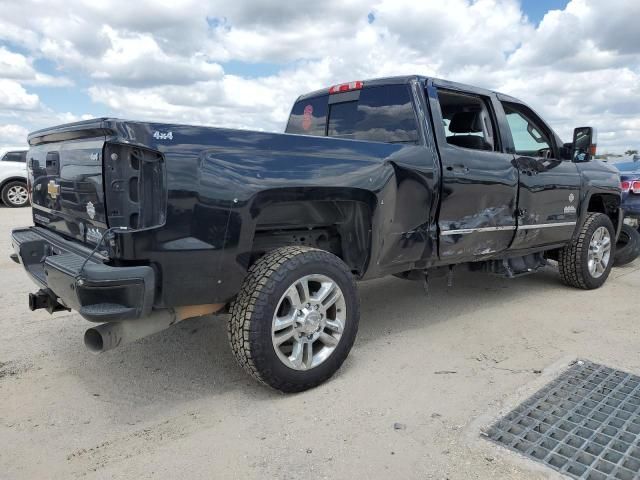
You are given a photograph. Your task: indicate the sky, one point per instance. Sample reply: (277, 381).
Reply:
(242, 64)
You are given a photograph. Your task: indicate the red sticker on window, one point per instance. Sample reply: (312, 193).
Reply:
(307, 117)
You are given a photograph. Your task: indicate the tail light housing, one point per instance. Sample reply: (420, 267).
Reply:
(135, 187)
(632, 186)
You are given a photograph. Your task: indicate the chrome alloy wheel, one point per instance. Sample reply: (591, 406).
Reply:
(599, 252)
(18, 195)
(308, 322)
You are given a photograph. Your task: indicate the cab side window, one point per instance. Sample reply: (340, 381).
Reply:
(529, 136)
(467, 121)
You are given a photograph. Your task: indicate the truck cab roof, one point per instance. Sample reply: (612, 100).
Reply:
(402, 79)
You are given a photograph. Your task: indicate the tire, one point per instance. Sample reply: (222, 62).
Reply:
(627, 247)
(15, 195)
(266, 303)
(574, 259)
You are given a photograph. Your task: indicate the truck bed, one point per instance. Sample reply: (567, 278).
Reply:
(222, 187)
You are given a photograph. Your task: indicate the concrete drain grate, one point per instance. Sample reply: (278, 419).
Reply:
(585, 424)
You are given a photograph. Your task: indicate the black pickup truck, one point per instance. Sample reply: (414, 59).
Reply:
(140, 225)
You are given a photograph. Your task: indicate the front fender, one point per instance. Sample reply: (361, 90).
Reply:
(600, 192)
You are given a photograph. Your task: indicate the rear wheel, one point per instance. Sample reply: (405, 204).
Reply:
(586, 262)
(627, 247)
(15, 194)
(295, 319)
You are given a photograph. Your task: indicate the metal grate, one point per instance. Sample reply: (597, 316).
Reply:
(585, 424)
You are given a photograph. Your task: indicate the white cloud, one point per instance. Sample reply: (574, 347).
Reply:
(14, 97)
(161, 59)
(44, 80)
(254, 104)
(138, 60)
(16, 66)
(13, 135)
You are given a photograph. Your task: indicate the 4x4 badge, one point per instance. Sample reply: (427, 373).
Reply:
(53, 189)
(91, 210)
(163, 135)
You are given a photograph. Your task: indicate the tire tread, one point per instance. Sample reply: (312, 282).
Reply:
(251, 305)
(570, 257)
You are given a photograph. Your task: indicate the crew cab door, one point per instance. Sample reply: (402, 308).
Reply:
(479, 182)
(549, 187)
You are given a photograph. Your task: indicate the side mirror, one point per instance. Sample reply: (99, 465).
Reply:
(584, 144)
(566, 151)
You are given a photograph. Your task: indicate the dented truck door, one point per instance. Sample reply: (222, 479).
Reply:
(479, 181)
(549, 187)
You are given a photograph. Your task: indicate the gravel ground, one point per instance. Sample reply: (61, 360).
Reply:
(426, 373)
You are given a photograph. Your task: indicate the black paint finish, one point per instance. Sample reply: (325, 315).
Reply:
(479, 190)
(389, 203)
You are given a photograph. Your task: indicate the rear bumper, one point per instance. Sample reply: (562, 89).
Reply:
(101, 293)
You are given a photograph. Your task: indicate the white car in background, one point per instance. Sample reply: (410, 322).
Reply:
(13, 177)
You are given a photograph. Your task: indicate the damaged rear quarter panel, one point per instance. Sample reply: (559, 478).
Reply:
(220, 180)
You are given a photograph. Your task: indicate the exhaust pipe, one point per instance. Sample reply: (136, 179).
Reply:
(111, 335)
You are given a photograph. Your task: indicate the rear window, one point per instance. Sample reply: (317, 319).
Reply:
(15, 157)
(381, 114)
(309, 117)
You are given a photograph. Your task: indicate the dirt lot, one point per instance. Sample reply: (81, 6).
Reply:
(176, 406)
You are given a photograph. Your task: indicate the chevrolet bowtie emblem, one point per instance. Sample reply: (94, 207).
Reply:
(53, 189)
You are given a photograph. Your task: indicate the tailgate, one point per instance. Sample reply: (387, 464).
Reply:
(67, 184)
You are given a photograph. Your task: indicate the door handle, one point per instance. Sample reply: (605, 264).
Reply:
(458, 169)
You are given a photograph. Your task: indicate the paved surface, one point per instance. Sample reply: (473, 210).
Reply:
(176, 406)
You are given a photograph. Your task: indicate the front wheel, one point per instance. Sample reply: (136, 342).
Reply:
(295, 318)
(586, 262)
(15, 194)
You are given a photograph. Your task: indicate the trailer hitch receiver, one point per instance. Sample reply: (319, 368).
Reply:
(47, 300)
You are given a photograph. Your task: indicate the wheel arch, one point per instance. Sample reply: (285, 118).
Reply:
(338, 220)
(606, 203)
(13, 178)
